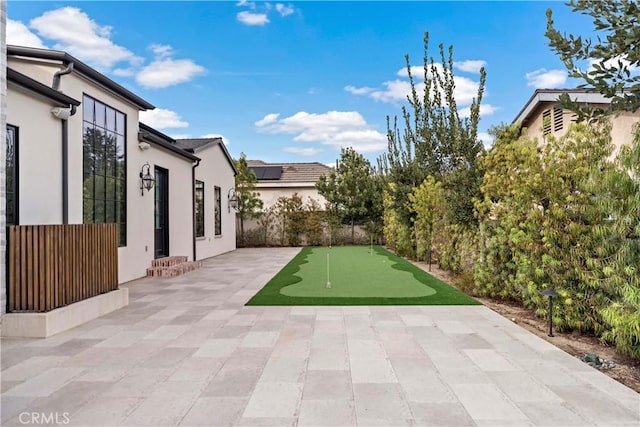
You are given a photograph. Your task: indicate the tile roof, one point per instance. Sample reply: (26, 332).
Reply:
(295, 172)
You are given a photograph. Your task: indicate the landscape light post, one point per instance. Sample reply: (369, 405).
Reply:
(551, 294)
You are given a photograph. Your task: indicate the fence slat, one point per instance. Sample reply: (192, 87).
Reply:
(50, 266)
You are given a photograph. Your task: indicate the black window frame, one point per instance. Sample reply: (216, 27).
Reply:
(199, 212)
(217, 211)
(104, 183)
(12, 204)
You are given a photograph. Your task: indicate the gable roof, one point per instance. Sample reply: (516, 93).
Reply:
(194, 145)
(541, 96)
(292, 172)
(147, 133)
(26, 82)
(82, 68)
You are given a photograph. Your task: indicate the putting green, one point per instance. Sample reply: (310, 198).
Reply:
(357, 277)
(354, 272)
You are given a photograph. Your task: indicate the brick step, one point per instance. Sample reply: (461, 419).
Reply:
(168, 261)
(173, 270)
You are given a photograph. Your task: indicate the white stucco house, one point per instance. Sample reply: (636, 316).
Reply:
(285, 179)
(77, 153)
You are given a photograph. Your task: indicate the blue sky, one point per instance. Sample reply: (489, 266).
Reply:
(288, 82)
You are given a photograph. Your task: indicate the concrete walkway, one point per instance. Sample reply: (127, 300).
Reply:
(187, 352)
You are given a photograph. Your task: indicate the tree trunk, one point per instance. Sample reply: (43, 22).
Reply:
(242, 230)
(353, 232)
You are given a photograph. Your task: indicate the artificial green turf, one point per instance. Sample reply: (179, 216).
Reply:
(357, 277)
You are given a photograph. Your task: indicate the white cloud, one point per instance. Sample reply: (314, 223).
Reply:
(75, 32)
(267, 120)
(284, 10)
(417, 71)
(161, 51)
(162, 119)
(165, 71)
(18, 34)
(470, 65)
(615, 62)
(333, 128)
(485, 110)
(359, 90)
(302, 151)
(394, 91)
(487, 140)
(249, 4)
(546, 79)
(253, 19)
(125, 72)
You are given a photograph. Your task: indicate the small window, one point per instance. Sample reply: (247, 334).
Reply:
(557, 119)
(199, 209)
(218, 211)
(546, 122)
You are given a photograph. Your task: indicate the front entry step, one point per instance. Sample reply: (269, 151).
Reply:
(172, 266)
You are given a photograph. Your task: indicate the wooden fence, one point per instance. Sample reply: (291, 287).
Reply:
(51, 266)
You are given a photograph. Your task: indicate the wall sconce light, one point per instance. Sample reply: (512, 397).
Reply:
(232, 199)
(146, 180)
(144, 146)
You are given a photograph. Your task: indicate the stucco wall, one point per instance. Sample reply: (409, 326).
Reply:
(137, 255)
(270, 195)
(39, 156)
(621, 129)
(215, 170)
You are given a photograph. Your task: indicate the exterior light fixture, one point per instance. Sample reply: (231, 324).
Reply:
(551, 294)
(232, 199)
(146, 180)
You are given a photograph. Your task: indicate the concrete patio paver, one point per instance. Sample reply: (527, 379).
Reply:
(187, 352)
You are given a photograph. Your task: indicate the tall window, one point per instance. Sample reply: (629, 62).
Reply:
(11, 176)
(199, 207)
(104, 166)
(218, 211)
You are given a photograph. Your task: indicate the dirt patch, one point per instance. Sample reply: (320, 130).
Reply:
(625, 369)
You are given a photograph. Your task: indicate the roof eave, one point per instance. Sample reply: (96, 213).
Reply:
(153, 136)
(35, 86)
(81, 67)
(552, 95)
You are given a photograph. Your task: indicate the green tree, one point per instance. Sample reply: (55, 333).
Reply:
(604, 64)
(313, 227)
(621, 238)
(290, 212)
(543, 220)
(436, 141)
(249, 202)
(350, 189)
(427, 202)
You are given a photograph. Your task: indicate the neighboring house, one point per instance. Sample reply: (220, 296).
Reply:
(77, 152)
(542, 116)
(285, 179)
